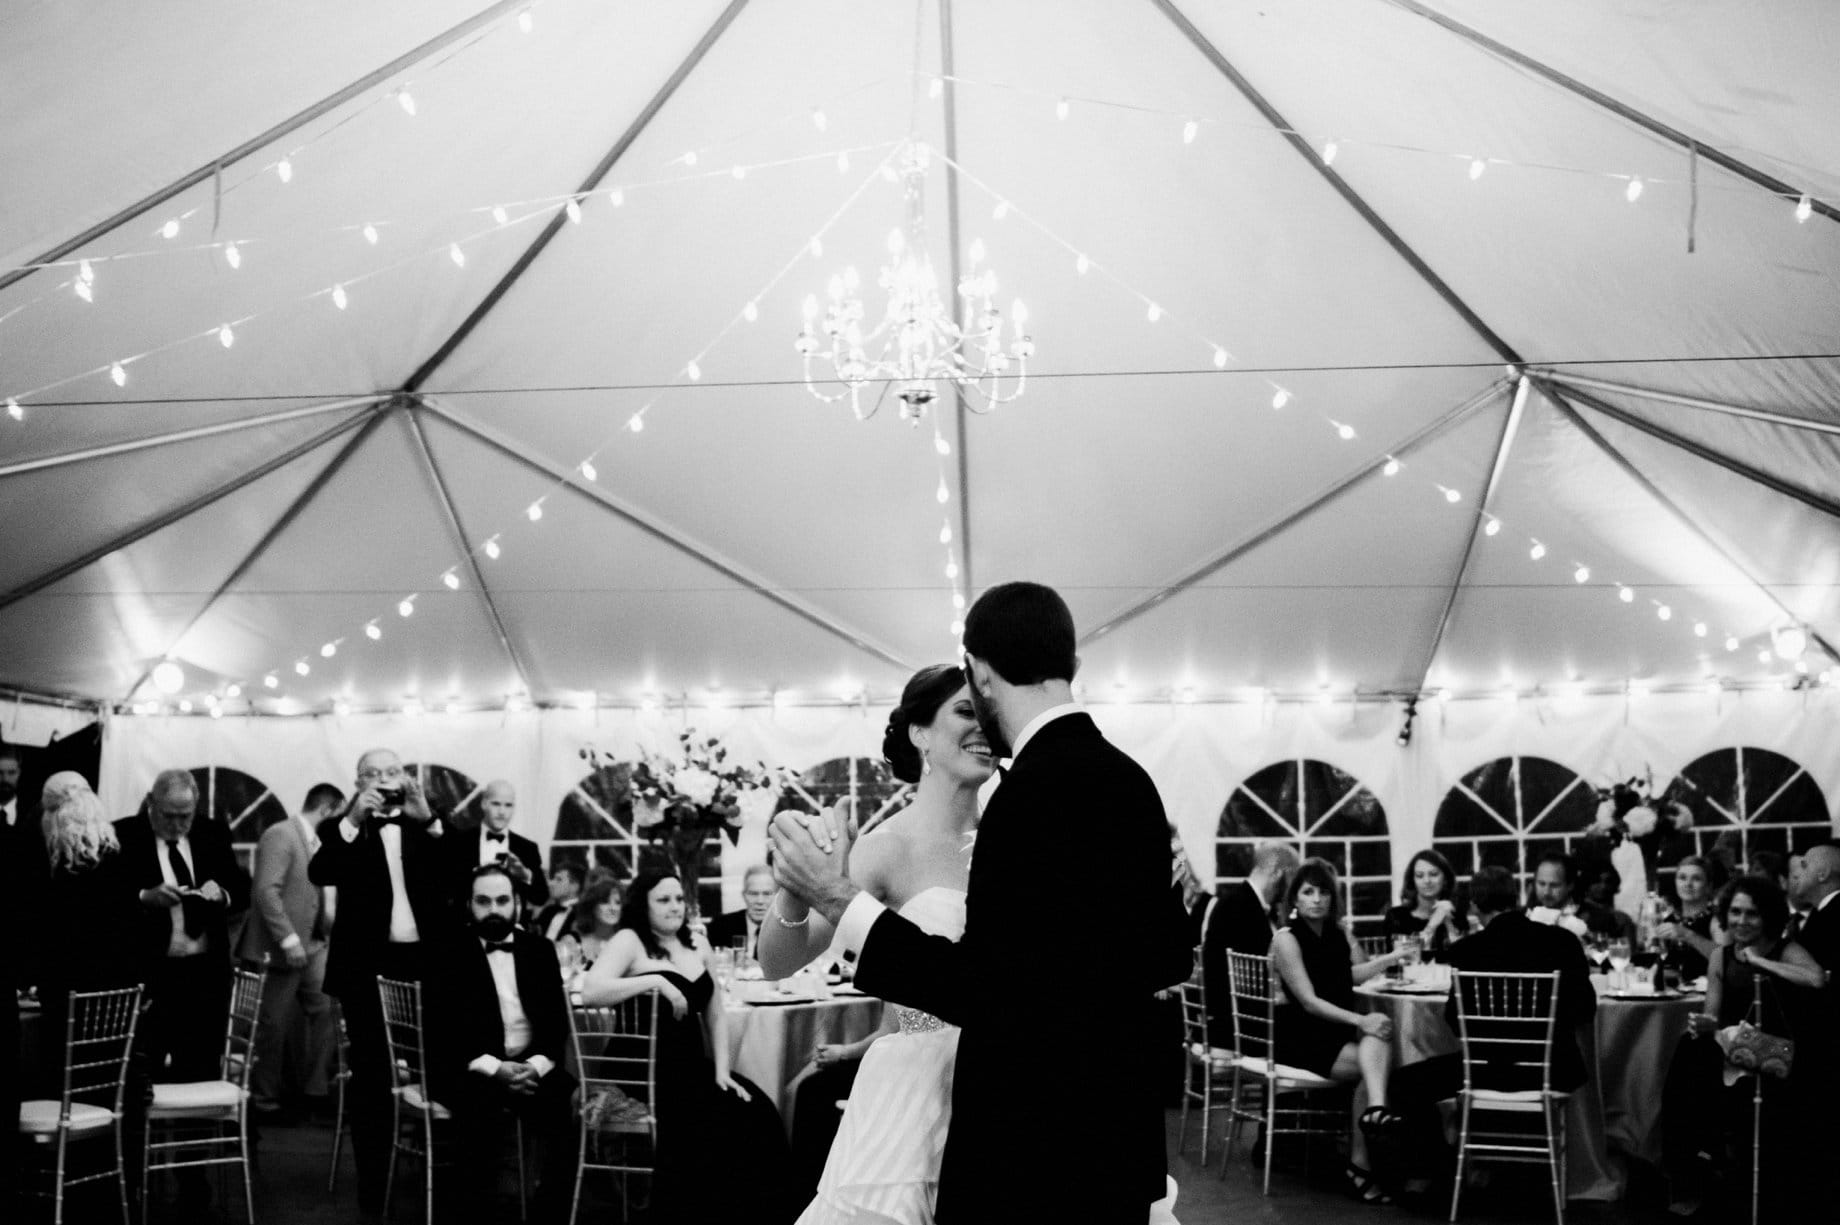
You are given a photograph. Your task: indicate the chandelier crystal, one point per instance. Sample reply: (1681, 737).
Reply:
(917, 347)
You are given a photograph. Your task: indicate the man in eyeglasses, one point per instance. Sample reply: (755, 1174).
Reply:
(382, 853)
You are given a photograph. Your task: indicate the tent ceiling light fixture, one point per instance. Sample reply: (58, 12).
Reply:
(168, 677)
(1789, 641)
(917, 344)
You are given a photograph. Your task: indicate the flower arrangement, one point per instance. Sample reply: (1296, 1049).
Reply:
(1630, 810)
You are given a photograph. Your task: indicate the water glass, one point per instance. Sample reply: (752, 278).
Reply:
(1619, 959)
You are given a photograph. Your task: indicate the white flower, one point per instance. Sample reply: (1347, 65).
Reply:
(696, 785)
(1606, 817)
(1640, 821)
(647, 812)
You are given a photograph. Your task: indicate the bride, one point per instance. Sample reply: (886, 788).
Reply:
(884, 1163)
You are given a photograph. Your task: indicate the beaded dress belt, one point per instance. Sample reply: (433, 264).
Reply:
(913, 1021)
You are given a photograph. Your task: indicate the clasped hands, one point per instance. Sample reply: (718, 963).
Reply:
(517, 1077)
(165, 896)
(811, 853)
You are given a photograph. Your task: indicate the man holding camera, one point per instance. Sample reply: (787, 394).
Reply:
(383, 853)
(492, 842)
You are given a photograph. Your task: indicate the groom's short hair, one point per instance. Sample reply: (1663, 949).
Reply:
(1024, 631)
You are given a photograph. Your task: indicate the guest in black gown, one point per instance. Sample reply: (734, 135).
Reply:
(722, 1150)
(1689, 932)
(1698, 1110)
(1320, 1030)
(82, 910)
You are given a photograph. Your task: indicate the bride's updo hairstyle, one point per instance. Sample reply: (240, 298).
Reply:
(920, 703)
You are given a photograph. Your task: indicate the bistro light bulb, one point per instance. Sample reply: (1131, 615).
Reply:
(329, 650)
(373, 631)
(694, 371)
(616, 196)
(525, 21)
(370, 234)
(1452, 496)
(820, 120)
(83, 290)
(751, 311)
(13, 409)
(168, 677)
(302, 667)
(1731, 642)
(1344, 431)
(1280, 397)
(1764, 656)
(405, 100)
(1061, 108)
(271, 681)
(1220, 358)
(1537, 551)
(119, 374)
(1082, 264)
(1664, 612)
(1633, 192)
(588, 472)
(1001, 211)
(232, 255)
(951, 569)
(225, 336)
(1154, 313)
(1189, 131)
(573, 209)
(958, 600)
(1699, 629)
(87, 273)
(406, 608)
(233, 691)
(1476, 167)
(636, 422)
(941, 445)
(338, 297)
(1391, 468)
(285, 170)
(1625, 594)
(1790, 642)
(534, 511)
(1582, 574)
(451, 579)
(1804, 208)
(1329, 150)
(170, 229)
(942, 495)
(492, 549)
(945, 533)
(456, 254)
(499, 215)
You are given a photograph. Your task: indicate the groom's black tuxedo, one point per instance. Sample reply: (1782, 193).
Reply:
(1056, 1114)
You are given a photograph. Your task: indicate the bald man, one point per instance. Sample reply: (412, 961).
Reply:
(494, 842)
(1814, 1080)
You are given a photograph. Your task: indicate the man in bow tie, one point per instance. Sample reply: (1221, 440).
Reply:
(383, 854)
(287, 934)
(190, 883)
(493, 842)
(498, 1030)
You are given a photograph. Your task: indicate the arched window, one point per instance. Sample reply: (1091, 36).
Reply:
(449, 791)
(1509, 812)
(1746, 800)
(594, 826)
(1320, 810)
(866, 780)
(242, 803)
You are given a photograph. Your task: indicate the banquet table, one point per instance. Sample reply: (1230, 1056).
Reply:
(771, 1036)
(1629, 1044)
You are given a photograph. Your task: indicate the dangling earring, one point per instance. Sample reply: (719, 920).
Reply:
(926, 764)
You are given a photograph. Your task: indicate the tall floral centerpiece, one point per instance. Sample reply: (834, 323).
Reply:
(1631, 814)
(681, 797)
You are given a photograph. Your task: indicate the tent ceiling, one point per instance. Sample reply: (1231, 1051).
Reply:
(751, 540)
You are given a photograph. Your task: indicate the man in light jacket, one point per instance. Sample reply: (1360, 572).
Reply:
(287, 934)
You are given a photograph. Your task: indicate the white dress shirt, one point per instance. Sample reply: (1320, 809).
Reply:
(402, 915)
(11, 809)
(864, 910)
(180, 945)
(511, 1011)
(490, 849)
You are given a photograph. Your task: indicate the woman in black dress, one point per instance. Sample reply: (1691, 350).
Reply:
(1320, 1030)
(1697, 1108)
(1689, 932)
(1429, 907)
(722, 1150)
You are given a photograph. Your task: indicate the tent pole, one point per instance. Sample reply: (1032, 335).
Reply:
(291, 124)
(635, 517)
(1806, 497)
(425, 371)
(466, 550)
(1683, 401)
(1309, 506)
(1353, 198)
(178, 436)
(302, 500)
(961, 415)
(167, 518)
(1510, 426)
(1621, 110)
(1673, 508)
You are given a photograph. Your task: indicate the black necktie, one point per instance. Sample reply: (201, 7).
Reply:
(182, 876)
(504, 947)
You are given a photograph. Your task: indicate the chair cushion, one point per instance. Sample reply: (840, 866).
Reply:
(413, 1095)
(1287, 1076)
(191, 1097)
(40, 1118)
(1521, 1099)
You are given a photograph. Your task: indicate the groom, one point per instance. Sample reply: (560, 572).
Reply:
(1056, 1113)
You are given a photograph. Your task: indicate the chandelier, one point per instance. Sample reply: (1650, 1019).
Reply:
(916, 347)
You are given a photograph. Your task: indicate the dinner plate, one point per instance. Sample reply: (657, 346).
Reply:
(1417, 988)
(1646, 995)
(771, 998)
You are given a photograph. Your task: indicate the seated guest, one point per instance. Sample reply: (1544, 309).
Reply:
(722, 1152)
(1600, 882)
(498, 1031)
(1508, 943)
(1428, 905)
(757, 890)
(1240, 922)
(596, 917)
(1698, 1109)
(1689, 932)
(80, 899)
(1320, 1030)
(287, 935)
(492, 841)
(564, 889)
(1558, 900)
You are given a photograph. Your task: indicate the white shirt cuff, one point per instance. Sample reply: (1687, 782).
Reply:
(487, 1064)
(348, 831)
(541, 1064)
(291, 940)
(858, 917)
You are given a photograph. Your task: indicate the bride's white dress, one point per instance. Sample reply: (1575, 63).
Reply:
(883, 1167)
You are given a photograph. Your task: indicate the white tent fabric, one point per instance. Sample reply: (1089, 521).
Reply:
(237, 508)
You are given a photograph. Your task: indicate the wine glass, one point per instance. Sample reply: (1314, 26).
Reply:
(1619, 956)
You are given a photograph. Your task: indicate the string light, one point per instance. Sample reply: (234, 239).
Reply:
(1343, 431)
(302, 667)
(1699, 629)
(738, 172)
(1221, 356)
(492, 549)
(587, 470)
(1492, 527)
(451, 579)
(751, 311)
(456, 254)
(170, 229)
(370, 234)
(225, 336)
(285, 170)
(271, 681)
(1061, 108)
(1391, 468)
(940, 445)
(1664, 612)
(525, 21)
(693, 371)
(373, 631)
(1329, 150)
(1451, 496)
(14, 410)
(616, 196)
(329, 650)
(1537, 551)
(1625, 594)
(816, 247)
(1000, 211)
(958, 600)
(405, 100)
(1476, 167)
(83, 290)
(1280, 397)
(534, 511)
(1731, 642)
(636, 422)
(1189, 131)
(1633, 192)
(945, 533)
(1081, 264)
(1154, 314)
(338, 297)
(406, 608)
(1582, 574)
(942, 495)
(951, 569)
(1804, 208)
(689, 159)
(118, 373)
(499, 215)
(573, 209)
(233, 255)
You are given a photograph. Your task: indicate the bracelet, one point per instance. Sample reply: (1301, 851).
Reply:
(785, 922)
